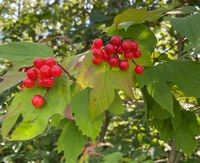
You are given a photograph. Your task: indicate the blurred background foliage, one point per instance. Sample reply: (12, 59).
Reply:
(79, 22)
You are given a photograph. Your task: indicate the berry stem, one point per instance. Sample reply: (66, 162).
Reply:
(68, 74)
(116, 30)
(134, 62)
(46, 93)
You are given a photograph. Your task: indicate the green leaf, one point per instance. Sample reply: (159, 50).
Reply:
(80, 108)
(139, 15)
(176, 72)
(114, 157)
(23, 53)
(188, 26)
(103, 81)
(161, 94)
(185, 140)
(71, 142)
(116, 107)
(142, 34)
(159, 112)
(10, 79)
(35, 120)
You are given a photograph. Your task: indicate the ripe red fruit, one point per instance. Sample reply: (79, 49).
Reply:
(106, 57)
(119, 50)
(126, 46)
(48, 82)
(137, 54)
(123, 65)
(45, 71)
(56, 71)
(96, 61)
(28, 83)
(92, 47)
(98, 53)
(113, 61)
(26, 69)
(32, 73)
(116, 41)
(40, 83)
(109, 49)
(98, 43)
(38, 101)
(139, 69)
(129, 55)
(50, 62)
(134, 45)
(39, 62)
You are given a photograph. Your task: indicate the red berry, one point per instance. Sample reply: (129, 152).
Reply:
(39, 62)
(45, 71)
(134, 45)
(29, 83)
(123, 65)
(48, 82)
(137, 54)
(56, 71)
(96, 61)
(92, 47)
(26, 69)
(40, 83)
(106, 57)
(139, 69)
(113, 61)
(98, 43)
(109, 49)
(129, 55)
(119, 50)
(32, 73)
(116, 41)
(98, 53)
(38, 101)
(126, 46)
(50, 62)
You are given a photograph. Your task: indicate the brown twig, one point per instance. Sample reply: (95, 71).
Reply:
(172, 152)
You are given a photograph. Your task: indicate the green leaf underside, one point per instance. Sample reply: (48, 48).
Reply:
(188, 26)
(114, 157)
(71, 142)
(103, 81)
(80, 108)
(175, 72)
(142, 34)
(35, 120)
(116, 107)
(139, 15)
(161, 94)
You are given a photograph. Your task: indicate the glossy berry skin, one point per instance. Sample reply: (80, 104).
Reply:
(129, 55)
(98, 53)
(29, 83)
(109, 49)
(40, 83)
(113, 61)
(38, 101)
(134, 45)
(123, 65)
(139, 69)
(96, 61)
(119, 50)
(56, 71)
(50, 62)
(48, 82)
(45, 71)
(105, 57)
(137, 54)
(39, 62)
(98, 43)
(116, 41)
(32, 73)
(126, 46)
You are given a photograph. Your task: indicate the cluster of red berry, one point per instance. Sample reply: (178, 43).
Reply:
(117, 53)
(42, 73)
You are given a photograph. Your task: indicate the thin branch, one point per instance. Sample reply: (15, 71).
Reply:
(172, 152)
(68, 74)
